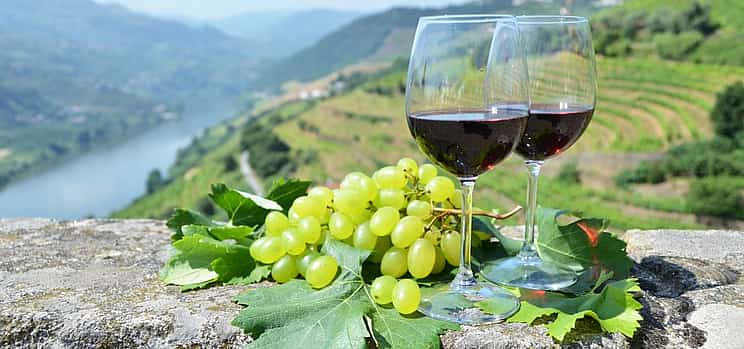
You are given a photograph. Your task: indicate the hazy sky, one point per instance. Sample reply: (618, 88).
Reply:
(211, 9)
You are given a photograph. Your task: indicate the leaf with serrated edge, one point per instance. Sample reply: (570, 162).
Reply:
(614, 308)
(261, 202)
(572, 246)
(258, 273)
(181, 217)
(333, 317)
(183, 274)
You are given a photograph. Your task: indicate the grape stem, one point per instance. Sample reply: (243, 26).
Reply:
(451, 211)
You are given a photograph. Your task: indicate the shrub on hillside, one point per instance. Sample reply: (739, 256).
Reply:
(728, 113)
(269, 155)
(570, 173)
(716, 196)
(645, 172)
(154, 181)
(677, 46)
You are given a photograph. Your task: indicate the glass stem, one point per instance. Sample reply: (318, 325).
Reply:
(529, 248)
(464, 278)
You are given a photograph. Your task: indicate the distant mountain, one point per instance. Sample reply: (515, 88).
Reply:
(281, 33)
(75, 74)
(387, 35)
(107, 44)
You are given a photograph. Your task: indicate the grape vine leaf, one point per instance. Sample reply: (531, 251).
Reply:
(198, 261)
(580, 245)
(182, 217)
(333, 317)
(248, 209)
(614, 308)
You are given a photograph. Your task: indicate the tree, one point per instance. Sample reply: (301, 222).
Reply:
(728, 113)
(154, 181)
(715, 196)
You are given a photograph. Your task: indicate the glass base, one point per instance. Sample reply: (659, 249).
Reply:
(529, 272)
(457, 305)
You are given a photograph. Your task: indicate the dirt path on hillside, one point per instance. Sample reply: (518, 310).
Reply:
(250, 175)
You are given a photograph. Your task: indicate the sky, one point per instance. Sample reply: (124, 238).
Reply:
(215, 9)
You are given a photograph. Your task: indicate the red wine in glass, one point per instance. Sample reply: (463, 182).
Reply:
(551, 129)
(470, 142)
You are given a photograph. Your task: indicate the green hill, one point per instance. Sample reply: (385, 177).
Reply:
(76, 74)
(385, 36)
(705, 31)
(645, 106)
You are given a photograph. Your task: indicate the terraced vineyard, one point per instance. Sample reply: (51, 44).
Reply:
(644, 106)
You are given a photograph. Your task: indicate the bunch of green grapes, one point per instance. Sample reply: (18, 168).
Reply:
(400, 214)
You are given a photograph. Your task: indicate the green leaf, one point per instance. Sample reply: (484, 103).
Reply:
(248, 209)
(258, 273)
(510, 246)
(284, 191)
(333, 317)
(181, 217)
(581, 244)
(393, 330)
(614, 308)
(200, 260)
(181, 273)
(238, 233)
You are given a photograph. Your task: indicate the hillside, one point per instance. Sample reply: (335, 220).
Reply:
(704, 31)
(282, 33)
(645, 106)
(384, 36)
(76, 74)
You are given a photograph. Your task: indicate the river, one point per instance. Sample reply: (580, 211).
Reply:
(106, 179)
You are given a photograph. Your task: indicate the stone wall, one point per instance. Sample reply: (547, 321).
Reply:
(93, 284)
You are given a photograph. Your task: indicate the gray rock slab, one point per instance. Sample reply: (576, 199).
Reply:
(93, 284)
(722, 325)
(720, 246)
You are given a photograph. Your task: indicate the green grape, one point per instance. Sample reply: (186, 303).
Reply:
(383, 221)
(293, 216)
(340, 226)
(440, 188)
(364, 238)
(394, 262)
(321, 271)
(284, 269)
(256, 249)
(394, 198)
(304, 260)
(348, 201)
(360, 216)
(426, 172)
(362, 183)
(406, 296)
(309, 229)
(306, 206)
(419, 208)
(293, 242)
(456, 199)
(421, 258)
(323, 219)
(408, 229)
(434, 235)
(271, 250)
(409, 166)
(324, 194)
(451, 247)
(382, 245)
(439, 261)
(390, 177)
(275, 223)
(382, 289)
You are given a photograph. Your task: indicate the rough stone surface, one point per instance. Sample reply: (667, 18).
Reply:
(93, 284)
(712, 318)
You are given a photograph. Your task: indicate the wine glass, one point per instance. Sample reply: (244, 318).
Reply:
(563, 88)
(467, 106)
